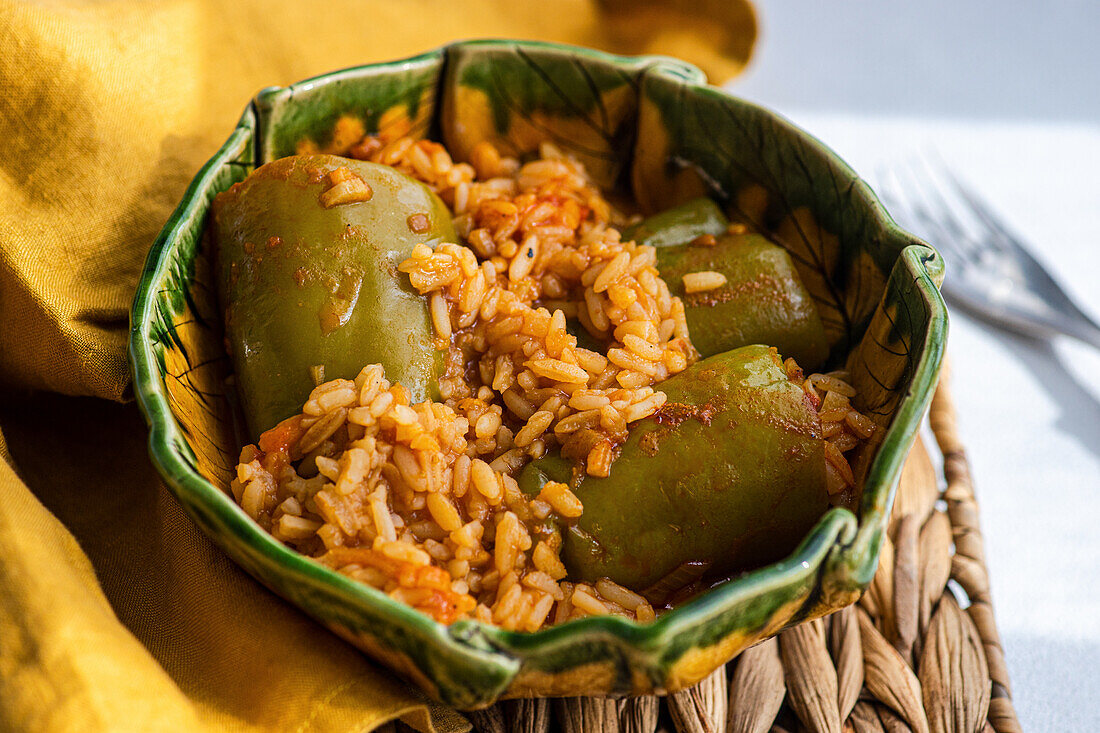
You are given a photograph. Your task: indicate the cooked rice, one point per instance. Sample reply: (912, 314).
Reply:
(421, 501)
(699, 282)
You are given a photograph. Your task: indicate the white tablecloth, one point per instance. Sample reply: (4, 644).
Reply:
(1029, 410)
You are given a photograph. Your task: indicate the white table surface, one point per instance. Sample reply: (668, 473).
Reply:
(1012, 104)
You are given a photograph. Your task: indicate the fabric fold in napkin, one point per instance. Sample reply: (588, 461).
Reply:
(115, 612)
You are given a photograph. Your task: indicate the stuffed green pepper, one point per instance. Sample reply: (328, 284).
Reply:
(680, 224)
(747, 291)
(729, 473)
(307, 253)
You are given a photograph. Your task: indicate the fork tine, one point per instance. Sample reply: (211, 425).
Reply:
(1000, 239)
(888, 193)
(950, 236)
(984, 255)
(942, 210)
(981, 210)
(902, 207)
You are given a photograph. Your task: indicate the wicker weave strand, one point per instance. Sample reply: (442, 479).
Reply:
(910, 656)
(968, 564)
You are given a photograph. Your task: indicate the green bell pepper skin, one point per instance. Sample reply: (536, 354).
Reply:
(680, 224)
(731, 472)
(302, 285)
(762, 302)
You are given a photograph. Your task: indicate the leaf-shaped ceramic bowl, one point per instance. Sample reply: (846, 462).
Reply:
(649, 127)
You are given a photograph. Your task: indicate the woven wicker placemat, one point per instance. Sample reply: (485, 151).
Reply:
(919, 652)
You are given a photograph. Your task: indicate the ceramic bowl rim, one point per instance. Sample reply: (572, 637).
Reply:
(837, 530)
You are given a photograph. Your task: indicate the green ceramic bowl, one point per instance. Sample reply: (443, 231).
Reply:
(649, 127)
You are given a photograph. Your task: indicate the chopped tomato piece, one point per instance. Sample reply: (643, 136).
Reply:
(279, 438)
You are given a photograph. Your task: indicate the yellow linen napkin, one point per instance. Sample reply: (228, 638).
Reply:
(115, 613)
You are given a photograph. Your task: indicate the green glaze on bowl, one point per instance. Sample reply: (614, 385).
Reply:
(646, 126)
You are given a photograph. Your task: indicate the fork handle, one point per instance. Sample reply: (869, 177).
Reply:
(1083, 329)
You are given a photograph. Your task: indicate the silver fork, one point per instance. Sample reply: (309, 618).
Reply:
(990, 272)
